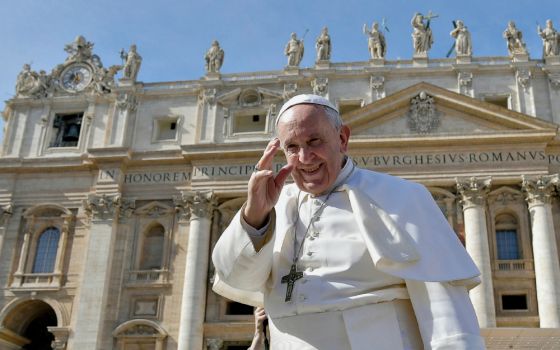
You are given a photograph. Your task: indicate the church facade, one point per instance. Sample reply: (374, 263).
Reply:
(113, 191)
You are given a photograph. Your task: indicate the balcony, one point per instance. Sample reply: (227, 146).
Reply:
(518, 268)
(142, 278)
(36, 281)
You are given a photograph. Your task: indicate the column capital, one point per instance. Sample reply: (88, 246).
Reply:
(194, 204)
(539, 190)
(473, 190)
(102, 207)
(6, 212)
(128, 205)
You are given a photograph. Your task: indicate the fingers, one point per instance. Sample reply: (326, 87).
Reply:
(270, 151)
(285, 171)
(283, 175)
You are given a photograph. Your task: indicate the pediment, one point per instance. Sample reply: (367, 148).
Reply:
(250, 97)
(154, 209)
(505, 195)
(428, 111)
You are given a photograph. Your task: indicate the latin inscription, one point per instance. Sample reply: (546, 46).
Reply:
(399, 160)
(228, 171)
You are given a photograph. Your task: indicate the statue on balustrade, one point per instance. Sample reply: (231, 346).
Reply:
(376, 41)
(463, 43)
(214, 58)
(514, 38)
(550, 38)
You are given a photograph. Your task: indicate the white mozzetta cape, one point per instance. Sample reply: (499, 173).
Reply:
(404, 231)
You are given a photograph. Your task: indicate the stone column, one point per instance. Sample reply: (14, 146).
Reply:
(538, 192)
(92, 298)
(473, 192)
(196, 207)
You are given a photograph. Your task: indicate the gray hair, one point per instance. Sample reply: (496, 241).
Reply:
(332, 115)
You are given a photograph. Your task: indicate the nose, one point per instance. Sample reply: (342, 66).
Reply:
(305, 155)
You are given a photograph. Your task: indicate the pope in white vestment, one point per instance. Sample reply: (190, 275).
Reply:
(379, 267)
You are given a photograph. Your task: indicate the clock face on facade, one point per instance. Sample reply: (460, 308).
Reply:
(76, 77)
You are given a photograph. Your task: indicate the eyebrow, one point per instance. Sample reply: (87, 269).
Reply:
(312, 136)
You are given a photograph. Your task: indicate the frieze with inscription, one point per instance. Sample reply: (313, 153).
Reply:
(400, 160)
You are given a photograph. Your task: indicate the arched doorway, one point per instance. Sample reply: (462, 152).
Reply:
(39, 336)
(27, 326)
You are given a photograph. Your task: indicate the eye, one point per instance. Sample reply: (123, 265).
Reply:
(292, 148)
(314, 142)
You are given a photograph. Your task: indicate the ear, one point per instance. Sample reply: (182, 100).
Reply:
(344, 137)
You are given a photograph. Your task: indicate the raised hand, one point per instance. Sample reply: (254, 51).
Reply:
(264, 188)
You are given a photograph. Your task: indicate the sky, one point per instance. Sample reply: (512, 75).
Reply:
(173, 35)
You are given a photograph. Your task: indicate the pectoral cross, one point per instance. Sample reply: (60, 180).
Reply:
(291, 279)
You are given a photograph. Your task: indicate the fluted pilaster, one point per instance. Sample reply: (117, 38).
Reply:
(103, 211)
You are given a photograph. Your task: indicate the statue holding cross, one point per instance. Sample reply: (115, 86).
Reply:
(422, 39)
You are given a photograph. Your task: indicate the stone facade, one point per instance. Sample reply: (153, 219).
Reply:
(134, 182)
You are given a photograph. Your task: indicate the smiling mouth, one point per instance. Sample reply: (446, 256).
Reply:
(310, 171)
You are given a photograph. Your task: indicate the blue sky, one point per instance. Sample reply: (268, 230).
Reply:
(172, 35)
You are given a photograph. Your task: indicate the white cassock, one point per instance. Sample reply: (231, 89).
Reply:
(382, 269)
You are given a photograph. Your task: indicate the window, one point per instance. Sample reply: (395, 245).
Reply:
(43, 245)
(507, 238)
(514, 302)
(498, 100)
(154, 222)
(166, 129)
(506, 241)
(66, 130)
(152, 249)
(253, 122)
(47, 247)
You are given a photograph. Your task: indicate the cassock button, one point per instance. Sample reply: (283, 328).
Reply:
(315, 234)
(311, 238)
(309, 253)
(317, 202)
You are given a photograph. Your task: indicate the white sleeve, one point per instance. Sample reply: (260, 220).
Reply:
(445, 316)
(237, 262)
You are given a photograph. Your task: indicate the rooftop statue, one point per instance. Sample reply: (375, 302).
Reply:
(214, 58)
(376, 41)
(550, 38)
(323, 45)
(294, 50)
(422, 39)
(32, 84)
(132, 62)
(79, 49)
(514, 38)
(463, 43)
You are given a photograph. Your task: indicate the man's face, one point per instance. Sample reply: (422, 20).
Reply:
(313, 146)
